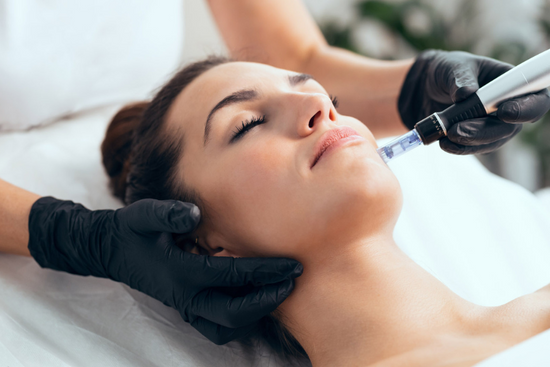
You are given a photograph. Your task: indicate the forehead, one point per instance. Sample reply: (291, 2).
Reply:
(191, 107)
(226, 78)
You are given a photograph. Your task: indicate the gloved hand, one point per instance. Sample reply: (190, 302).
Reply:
(438, 79)
(134, 245)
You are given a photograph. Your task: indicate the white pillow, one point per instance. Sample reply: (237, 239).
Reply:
(59, 57)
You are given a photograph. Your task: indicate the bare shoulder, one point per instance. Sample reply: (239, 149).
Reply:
(542, 296)
(545, 291)
(528, 315)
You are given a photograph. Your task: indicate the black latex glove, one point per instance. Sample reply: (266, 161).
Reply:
(134, 245)
(438, 79)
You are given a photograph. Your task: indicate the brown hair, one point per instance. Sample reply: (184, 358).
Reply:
(117, 143)
(141, 157)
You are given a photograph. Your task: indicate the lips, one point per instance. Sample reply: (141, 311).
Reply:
(329, 138)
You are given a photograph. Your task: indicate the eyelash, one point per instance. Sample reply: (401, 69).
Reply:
(334, 100)
(255, 121)
(245, 126)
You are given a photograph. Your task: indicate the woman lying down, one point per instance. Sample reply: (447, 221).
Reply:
(290, 177)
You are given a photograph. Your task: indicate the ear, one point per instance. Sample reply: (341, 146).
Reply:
(224, 253)
(216, 245)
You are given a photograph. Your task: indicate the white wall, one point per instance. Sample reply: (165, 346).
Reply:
(201, 35)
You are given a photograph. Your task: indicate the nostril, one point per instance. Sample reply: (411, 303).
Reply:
(312, 120)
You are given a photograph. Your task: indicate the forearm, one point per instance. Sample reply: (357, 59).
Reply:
(15, 207)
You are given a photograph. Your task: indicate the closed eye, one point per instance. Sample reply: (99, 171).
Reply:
(246, 126)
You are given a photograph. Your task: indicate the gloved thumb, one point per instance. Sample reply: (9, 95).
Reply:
(469, 77)
(464, 83)
(149, 215)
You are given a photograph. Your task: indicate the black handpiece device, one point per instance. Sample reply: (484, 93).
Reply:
(530, 76)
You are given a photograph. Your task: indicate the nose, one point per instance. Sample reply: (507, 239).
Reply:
(316, 109)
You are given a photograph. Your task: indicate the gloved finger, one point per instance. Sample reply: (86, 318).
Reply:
(235, 312)
(220, 334)
(527, 108)
(450, 77)
(459, 149)
(461, 93)
(149, 215)
(475, 75)
(230, 272)
(471, 76)
(481, 131)
(490, 69)
(462, 80)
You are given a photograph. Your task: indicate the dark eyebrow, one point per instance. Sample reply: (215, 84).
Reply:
(296, 79)
(237, 97)
(247, 95)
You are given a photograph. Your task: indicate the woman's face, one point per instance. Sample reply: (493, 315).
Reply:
(264, 195)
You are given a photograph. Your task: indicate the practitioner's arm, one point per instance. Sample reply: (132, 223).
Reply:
(15, 206)
(283, 34)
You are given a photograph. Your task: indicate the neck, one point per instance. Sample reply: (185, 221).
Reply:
(367, 301)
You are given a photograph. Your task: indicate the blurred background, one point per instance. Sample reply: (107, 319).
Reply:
(509, 30)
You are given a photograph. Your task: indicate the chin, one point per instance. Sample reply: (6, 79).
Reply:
(364, 197)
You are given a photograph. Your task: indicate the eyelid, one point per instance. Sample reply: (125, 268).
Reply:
(235, 119)
(251, 123)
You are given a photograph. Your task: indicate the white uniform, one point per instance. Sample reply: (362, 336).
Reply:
(59, 57)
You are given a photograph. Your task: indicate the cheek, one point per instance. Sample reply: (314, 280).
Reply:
(252, 196)
(373, 200)
(355, 195)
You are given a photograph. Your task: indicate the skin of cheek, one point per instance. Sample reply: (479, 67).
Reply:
(270, 210)
(357, 196)
(355, 193)
(259, 200)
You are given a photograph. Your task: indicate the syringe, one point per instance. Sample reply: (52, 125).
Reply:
(530, 76)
